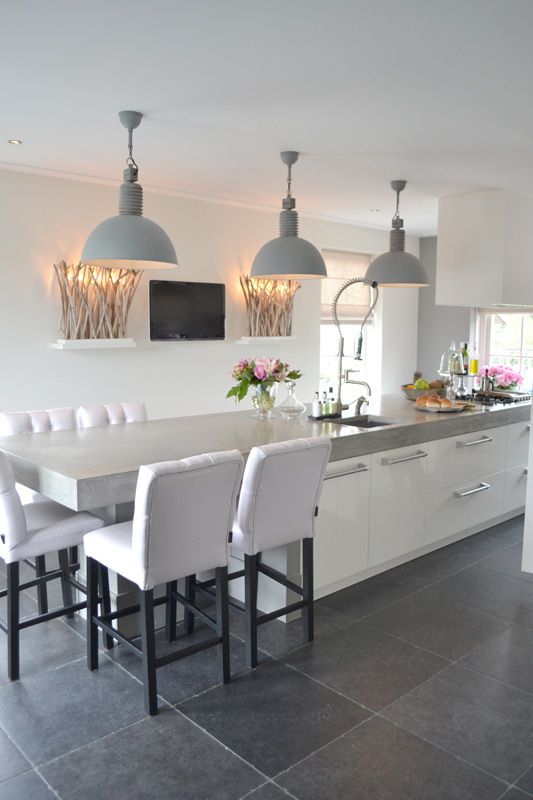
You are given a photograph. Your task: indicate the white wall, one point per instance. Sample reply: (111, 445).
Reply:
(44, 220)
(437, 325)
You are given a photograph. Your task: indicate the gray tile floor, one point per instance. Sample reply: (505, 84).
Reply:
(419, 686)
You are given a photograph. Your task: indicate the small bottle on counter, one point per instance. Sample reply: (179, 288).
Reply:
(316, 407)
(466, 358)
(474, 362)
(325, 404)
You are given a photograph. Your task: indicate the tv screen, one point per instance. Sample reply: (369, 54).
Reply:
(182, 310)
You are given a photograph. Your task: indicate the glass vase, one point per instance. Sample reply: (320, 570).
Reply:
(263, 399)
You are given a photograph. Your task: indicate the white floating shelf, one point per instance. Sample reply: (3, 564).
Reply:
(91, 344)
(263, 339)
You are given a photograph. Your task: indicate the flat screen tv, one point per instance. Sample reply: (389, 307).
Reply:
(182, 310)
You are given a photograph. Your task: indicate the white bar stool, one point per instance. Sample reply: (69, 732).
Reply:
(30, 532)
(183, 514)
(13, 423)
(278, 504)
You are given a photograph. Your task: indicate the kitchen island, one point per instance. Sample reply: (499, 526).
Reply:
(391, 493)
(95, 467)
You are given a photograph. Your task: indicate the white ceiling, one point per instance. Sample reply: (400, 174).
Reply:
(439, 93)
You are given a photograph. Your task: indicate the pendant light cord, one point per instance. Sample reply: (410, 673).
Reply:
(130, 161)
(289, 181)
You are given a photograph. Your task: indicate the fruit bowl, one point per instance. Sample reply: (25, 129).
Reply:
(412, 394)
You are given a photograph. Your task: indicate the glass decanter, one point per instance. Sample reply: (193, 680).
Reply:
(291, 408)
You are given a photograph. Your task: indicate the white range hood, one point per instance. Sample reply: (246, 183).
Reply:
(485, 249)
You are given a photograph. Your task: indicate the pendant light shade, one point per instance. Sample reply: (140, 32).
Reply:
(129, 240)
(397, 268)
(288, 256)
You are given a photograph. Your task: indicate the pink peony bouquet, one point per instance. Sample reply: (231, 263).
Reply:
(504, 377)
(266, 371)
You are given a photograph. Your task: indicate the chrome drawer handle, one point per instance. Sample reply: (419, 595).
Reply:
(481, 488)
(483, 440)
(387, 462)
(525, 470)
(528, 427)
(359, 468)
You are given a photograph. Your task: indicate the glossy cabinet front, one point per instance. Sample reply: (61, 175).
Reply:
(397, 493)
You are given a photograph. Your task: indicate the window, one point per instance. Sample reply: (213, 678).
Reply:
(506, 337)
(352, 308)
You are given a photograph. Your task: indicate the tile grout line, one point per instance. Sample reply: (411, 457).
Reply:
(225, 746)
(448, 752)
(325, 686)
(323, 747)
(33, 767)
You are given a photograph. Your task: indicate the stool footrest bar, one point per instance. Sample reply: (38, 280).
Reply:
(280, 578)
(285, 610)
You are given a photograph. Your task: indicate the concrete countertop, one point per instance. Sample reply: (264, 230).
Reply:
(86, 469)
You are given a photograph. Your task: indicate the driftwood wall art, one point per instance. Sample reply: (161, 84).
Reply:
(269, 304)
(95, 301)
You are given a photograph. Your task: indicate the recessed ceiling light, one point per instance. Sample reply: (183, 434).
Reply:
(14, 141)
(374, 210)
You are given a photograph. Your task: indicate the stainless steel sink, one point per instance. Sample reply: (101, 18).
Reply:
(366, 421)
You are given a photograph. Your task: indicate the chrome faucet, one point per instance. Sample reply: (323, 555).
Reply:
(344, 375)
(359, 403)
(347, 379)
(360, 400)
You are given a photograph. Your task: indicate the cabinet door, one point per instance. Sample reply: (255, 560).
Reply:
(515, 489)
(517, 444)
(341, 529)
(460, 459)
(463, 506)
(397, 502)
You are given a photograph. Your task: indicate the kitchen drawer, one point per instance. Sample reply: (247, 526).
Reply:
(460, 459)
(397, 502)
(462, 506)
(341, 528)
(515, 488)
(517, 444)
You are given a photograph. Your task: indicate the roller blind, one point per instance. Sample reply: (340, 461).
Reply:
(355, 301)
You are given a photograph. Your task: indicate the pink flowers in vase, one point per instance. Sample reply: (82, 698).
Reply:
(256, 371)
(504, 377)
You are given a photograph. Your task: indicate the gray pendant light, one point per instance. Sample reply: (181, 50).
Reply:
(397, 268)
(130, 240)
(288, 256)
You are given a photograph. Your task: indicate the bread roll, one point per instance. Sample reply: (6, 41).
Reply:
(421, 401)
(433, 402)
(445, 403)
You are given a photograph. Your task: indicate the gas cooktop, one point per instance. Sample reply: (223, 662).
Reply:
(496, 398)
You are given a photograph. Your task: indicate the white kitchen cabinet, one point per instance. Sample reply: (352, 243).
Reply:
(341, 529)
(463, 506)
(460, 459)
(515, 488)
(517, 444)
(481, 241)
(397, 502)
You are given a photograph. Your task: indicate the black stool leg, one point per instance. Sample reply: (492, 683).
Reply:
(221, 581)
(148, 650)
(307, 586)
(42, 593)
(190, 594)
(92, 611)
(13, 658)
(73, 554)
(66, 588)
(103, 575)
(250, 602)
(170, 611)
